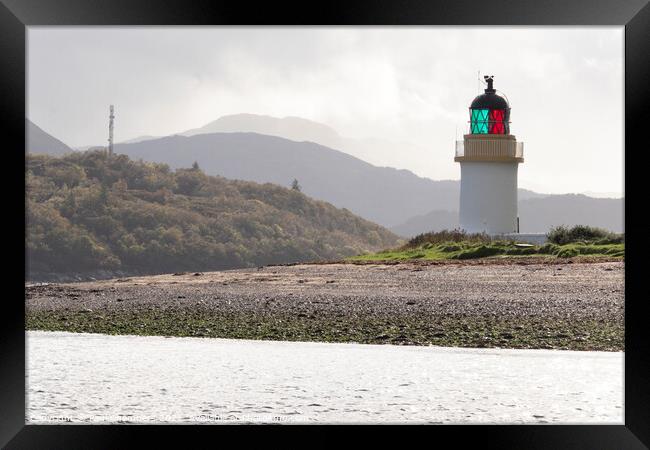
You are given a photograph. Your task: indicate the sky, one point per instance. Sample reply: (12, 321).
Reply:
(401, 84)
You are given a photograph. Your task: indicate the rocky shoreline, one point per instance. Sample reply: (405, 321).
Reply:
(76, 277)
(35, 277)
(575, 305)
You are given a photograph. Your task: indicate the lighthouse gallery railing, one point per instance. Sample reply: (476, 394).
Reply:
(490, 148)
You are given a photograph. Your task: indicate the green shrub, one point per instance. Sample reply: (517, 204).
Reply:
(588, 250)
(522, 251)
(567, 252)
(479, 252)
(444, 236)
(620, 239)
(581, 233)
(549, 249)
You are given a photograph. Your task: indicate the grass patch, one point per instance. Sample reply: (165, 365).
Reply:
(460, 245)
(480, 251)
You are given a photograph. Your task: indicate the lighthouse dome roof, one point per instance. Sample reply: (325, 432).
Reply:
(490, 100)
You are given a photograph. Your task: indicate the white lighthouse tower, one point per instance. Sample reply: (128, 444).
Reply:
(489, 157)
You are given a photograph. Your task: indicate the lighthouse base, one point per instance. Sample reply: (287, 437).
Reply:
(488, 197)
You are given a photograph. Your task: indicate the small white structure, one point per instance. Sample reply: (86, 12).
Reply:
(489, 157)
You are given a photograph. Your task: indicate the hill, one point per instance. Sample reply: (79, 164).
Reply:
(38, 141)
(380, 194)
(387, 196)
(437, 220)
(90, 212)
(380, 152)
(536, 215)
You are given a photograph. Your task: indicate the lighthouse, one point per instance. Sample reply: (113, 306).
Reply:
(489, 157)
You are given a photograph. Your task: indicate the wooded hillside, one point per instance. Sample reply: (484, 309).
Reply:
(88, 211)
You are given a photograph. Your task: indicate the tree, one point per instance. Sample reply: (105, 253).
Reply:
(195, 166)
(65, 174)
(69, 206)
(295, 185)
(189, 181)
(120, 185)
(103, 196)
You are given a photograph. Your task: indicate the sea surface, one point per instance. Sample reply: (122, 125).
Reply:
(94, 378)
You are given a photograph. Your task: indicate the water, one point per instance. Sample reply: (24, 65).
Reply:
(93, 378)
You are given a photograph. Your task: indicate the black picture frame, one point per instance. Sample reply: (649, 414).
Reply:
(634, 15)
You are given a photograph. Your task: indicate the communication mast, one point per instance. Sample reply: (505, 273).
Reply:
(111, 117)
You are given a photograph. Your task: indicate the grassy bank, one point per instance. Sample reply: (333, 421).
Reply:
(579, 241)
(471, 250)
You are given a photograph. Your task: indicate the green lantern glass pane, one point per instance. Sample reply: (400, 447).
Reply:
(479, 121)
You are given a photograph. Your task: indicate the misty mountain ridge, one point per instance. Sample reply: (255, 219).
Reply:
(379, 152)
(138, 139)
(293, 128)
(395, 198)
(38, 141)
(304, 130)
(387, 196)
(536, 215)
(383, 195)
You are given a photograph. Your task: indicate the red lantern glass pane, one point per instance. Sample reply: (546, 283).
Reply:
(496, 121)
(497, 115)
(497, 128)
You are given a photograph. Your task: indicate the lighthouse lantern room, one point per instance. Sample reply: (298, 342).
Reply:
(489, 157)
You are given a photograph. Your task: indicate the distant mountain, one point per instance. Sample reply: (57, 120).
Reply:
(374, 151)
(38, 141)
(293, 128)
(90, 212)
(84, 148)
(525, 194)
(139, 139)
(390, 197)
(380, 194)
(437, 220)
(601, 194)
(536, 215)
